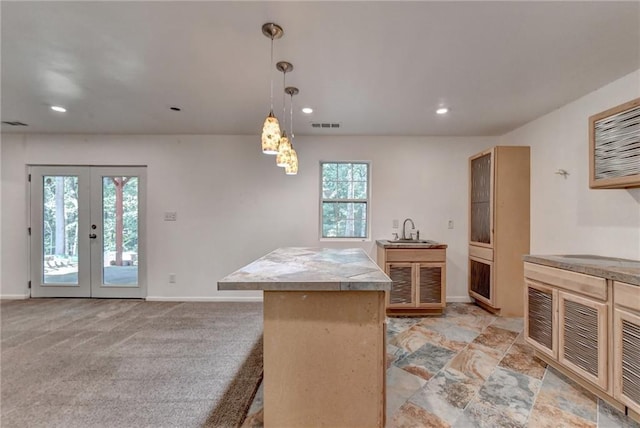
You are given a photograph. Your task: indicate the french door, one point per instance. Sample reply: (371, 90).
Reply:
(88, 231)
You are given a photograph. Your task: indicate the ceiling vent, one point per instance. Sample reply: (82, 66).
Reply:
(14, 123)
(325, 125)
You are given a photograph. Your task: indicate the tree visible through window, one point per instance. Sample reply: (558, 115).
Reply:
(344, 199)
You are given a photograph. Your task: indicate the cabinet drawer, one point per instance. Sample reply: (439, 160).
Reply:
(592, 286)
(626, 295)
(408, 255)
(481, 252)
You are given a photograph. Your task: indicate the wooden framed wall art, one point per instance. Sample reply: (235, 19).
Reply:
(614, 147)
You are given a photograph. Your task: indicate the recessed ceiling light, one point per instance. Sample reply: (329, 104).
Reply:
(58, 109)
(307, 110)
(442, 110)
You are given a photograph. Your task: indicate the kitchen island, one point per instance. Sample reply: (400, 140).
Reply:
(324, 336)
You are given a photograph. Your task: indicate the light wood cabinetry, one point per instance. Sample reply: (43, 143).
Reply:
(582, 337)
(589, 328)
(541, 318)
(498, 227)
(567, 320)
(614, 153)
(626, 345)
(419, 280)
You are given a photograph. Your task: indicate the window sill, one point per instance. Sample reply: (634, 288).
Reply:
(345, 239)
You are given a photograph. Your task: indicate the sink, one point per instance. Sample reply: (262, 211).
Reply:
(413, 241)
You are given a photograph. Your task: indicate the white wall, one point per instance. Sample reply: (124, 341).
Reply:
(1, 216)
(235, 205)
(566, 216)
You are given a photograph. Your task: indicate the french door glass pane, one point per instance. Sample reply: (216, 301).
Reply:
(120, 230)
(60, 230)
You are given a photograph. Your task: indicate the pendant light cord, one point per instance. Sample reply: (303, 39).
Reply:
(284, 93)
(291, 118)
(271, 71)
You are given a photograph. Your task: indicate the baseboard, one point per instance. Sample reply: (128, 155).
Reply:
(14, 296)
(459, 299)
(203, 299)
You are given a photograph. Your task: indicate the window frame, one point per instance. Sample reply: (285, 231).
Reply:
(367, 237)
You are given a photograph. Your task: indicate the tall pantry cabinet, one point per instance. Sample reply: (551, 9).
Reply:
(499, 227)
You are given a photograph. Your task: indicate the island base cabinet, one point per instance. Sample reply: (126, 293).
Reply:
(324, 359)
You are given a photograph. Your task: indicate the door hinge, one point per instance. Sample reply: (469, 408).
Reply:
(29, 284)
(29, 230)
(29, 178)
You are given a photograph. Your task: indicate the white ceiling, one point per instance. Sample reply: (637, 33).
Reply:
(377, 68)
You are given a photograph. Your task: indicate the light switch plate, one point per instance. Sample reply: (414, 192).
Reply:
(170, 216)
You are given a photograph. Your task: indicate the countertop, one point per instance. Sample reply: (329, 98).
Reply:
(384, 243)
(309, 269)
(605, 267)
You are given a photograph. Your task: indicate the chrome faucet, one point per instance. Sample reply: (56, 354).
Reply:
(404, 226)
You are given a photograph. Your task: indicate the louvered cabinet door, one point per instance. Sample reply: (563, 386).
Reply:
(541, 318)
(582, 337)
(431, 285)
(481, 280)
(403, 291)
(626, 366)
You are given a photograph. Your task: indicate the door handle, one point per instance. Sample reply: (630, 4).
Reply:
(93, 236)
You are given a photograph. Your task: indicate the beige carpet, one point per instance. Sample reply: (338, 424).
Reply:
(127, 363)
(232, 409)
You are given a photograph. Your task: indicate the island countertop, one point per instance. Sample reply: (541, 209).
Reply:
(309, 269)
(623, 270)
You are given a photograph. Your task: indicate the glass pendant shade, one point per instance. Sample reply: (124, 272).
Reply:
(284, 149)
(270, 135)
(292, 167)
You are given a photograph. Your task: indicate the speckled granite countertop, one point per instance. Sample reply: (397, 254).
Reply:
(606, 267)
(309, 269)
(384, 243)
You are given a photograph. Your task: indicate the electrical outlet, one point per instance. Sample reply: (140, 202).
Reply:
(396, 223)
(170, 216)
(450, 224)
(172, 278)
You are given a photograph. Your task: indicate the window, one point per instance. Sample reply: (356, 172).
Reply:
(344, 202)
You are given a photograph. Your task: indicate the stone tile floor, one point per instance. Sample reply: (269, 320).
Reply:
(469, 368)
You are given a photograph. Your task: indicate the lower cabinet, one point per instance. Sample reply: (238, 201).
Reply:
(481, 280)
(541, 318)
(588, 327)
(626, 345)
(419, 281)
(566, 320)
(582, 337)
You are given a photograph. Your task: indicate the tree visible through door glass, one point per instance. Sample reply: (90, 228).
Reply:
(120, 230)
(60, 230)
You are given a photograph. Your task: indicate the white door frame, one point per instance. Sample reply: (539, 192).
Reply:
(90, 251)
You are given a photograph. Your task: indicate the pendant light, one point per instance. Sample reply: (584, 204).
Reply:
(292, 165)
(284, 148)
(271, 127)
